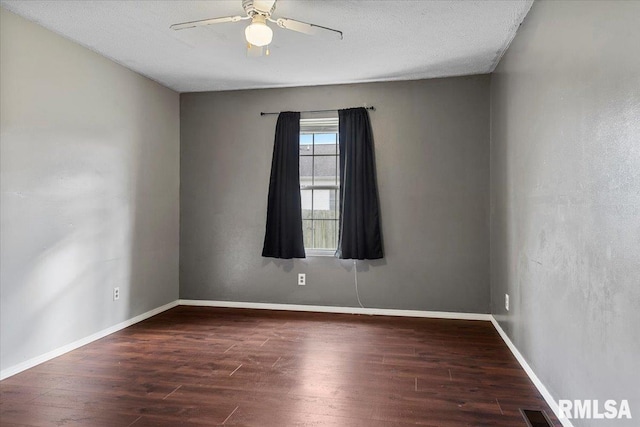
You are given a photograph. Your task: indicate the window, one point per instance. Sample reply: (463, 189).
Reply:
(319, 184)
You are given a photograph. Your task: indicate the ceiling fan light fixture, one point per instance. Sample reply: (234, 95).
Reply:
(258, 32)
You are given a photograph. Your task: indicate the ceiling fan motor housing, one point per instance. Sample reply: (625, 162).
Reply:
(250, 8)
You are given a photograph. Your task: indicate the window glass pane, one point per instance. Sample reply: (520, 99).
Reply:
(322, 207)
(325, 138)
(306, 145)
(325, 149)
(325, 170)
(325, 234)
(306, 171)
(307, 233)
(334, 202)
(306, 150)
(305, 198)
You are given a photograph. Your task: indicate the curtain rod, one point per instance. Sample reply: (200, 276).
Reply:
(314, 111)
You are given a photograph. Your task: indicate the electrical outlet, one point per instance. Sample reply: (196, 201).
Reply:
(302, 279)
(506, 301)
(116, 294)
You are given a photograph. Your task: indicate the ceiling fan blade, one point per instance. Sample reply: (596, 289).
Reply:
(256, 51)
(311, 29)
(192, 24)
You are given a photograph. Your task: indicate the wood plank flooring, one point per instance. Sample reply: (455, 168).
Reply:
(194, 366)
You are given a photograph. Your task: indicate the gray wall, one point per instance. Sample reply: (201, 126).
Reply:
(432, 149)
(565, 181)
(89, 180)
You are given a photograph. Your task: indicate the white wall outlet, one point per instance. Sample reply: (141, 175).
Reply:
(302, 279)
(116, 294)
(506, 301)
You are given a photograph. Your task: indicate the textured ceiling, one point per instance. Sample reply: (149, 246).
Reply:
(383, 40)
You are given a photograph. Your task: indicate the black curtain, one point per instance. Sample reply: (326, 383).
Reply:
(360, 232)
(283, 235)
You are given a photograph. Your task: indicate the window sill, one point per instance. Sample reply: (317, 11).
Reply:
(320, 252)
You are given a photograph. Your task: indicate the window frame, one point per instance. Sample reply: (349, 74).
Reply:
(314, 126)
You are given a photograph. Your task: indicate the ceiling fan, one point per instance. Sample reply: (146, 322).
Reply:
(258, 33)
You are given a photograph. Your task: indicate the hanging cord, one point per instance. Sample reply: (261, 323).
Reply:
(355, 271)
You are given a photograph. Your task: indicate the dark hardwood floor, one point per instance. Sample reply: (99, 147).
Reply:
(205, 366)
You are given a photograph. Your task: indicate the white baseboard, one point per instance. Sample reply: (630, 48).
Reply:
(341, 310)
(8, 372)
(532, 375)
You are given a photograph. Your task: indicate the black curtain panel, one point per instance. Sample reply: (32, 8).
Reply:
(360, 231)
(283, 235)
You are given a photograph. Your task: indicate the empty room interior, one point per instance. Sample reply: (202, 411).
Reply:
(320, 213)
